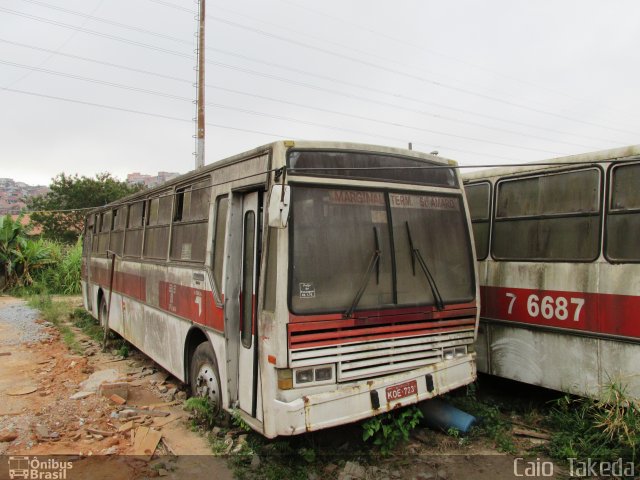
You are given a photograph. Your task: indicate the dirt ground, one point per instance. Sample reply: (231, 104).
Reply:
(38, 416)
(37, 381)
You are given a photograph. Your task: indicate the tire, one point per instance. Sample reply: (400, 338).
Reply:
(204, 377)
(102, 311)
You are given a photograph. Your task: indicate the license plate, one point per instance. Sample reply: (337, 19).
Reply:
(395, 392)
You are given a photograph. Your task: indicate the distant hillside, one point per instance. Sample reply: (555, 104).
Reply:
(13, 194)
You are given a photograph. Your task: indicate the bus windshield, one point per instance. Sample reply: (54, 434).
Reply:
(364, 250)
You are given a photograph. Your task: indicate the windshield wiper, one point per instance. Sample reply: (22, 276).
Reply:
(374, 262)
(415, 253)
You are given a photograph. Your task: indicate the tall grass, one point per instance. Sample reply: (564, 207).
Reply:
(62, 276)
(604, 429)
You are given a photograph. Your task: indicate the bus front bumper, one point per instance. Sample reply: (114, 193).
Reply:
(350, 403)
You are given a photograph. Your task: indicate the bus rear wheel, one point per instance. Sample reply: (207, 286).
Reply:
(204, 377)
(103, 311)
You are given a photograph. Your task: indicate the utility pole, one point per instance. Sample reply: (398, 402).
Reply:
(200, 126)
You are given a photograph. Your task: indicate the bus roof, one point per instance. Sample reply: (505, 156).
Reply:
(284, 144)
(611, 154)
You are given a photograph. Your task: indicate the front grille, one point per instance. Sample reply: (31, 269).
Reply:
(366, 350)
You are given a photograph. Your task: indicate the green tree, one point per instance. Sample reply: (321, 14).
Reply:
(12, 237)
(73, 193)
(21, 257)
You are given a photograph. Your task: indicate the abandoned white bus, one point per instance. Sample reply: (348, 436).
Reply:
(559, 267)
(305, 285)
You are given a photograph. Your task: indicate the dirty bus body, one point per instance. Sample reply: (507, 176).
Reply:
(297, 291)
(558, 263)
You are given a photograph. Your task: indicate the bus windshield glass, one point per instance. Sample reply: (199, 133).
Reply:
(364, 250)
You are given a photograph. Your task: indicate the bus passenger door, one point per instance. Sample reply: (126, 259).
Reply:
(246, 269)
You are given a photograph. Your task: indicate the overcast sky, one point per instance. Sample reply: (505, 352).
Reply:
(88, 86)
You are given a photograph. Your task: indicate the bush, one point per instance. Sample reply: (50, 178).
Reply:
(62, 277)
(23, 258)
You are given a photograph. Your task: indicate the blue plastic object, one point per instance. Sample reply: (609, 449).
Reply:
(439, 415)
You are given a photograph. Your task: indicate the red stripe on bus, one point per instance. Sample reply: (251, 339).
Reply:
(126, 283)
(588, 312)
(359, 332)
(340, 339)
(372, 322)
(193, 304)
(418, 312)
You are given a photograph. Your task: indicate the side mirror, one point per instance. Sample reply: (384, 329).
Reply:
(279, 201)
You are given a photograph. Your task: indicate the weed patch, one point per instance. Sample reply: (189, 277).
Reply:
(492, 422)
(89, 325)
(605, 429)
(202, 411)
(390, 428)
(56, 313)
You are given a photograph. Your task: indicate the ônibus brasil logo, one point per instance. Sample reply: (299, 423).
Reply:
(36, 469)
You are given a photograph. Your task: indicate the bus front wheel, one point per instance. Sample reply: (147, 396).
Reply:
(204, 377)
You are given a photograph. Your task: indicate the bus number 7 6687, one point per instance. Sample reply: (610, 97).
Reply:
(560, 308)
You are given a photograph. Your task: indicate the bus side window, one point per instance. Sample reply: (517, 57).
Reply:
(222, 207)
(183, 202)
(135, 222)
(88, 234)
(479, 199)
(554, 217)
(117, 233)
(623, 216)
(156, 240)
(105, 228)
(95, 231)
(190, 222)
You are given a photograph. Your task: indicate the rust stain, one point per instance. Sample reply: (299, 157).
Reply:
(307, 412)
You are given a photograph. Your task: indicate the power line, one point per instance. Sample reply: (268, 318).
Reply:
(424, 49)
(246, 130)
(263, 114)
(95, 33)
(139, 112)
(55, 52)
(285, 102)
(408, 75)
(289, 28)
(298, 83)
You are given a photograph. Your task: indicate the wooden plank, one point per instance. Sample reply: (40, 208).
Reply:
(151, 413)
(163, 404)
(531, 433)
(104, 433)
(145, 442)
(164, 421)
(125, 427)
(138, 436)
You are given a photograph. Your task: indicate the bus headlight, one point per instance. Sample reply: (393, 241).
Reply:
(306, 376)
(323, 374)
(460, 351)
(454, 352)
